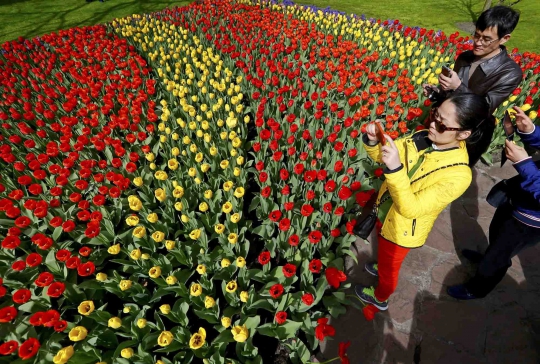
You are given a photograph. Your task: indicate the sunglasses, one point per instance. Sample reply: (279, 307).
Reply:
(439, 125)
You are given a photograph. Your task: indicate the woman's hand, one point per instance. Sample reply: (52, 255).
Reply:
(523, 122)
(514, 152)
(390, 154)
(449, 83)
(371, 131)
(429, 88)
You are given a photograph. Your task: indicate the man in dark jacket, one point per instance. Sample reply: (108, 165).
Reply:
(487, 70)
(516, 225)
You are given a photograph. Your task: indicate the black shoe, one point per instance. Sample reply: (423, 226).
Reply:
(472, 256)
(372, 268)
(460, 292)
(367, 295)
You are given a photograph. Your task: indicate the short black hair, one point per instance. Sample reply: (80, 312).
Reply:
(500, 16)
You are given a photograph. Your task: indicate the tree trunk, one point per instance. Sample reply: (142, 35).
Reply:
(487, 5)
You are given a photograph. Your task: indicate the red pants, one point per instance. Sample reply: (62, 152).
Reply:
(389, 258)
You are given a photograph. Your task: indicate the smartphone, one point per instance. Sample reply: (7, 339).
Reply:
(433, 94)
(447, 71)
(379, 131)
(508, 126)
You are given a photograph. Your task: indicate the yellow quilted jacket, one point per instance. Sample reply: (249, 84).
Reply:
(418, 201)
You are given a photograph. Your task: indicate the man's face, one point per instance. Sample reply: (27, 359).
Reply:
(485, 41)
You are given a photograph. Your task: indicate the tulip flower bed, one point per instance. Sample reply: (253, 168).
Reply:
(179, 187)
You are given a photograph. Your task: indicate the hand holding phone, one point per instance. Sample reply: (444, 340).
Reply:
(446, 71)
(509, 131)
(379, 131)
(508, 127)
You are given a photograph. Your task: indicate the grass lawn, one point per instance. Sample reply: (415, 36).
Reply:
(442, 14)
(29, 18)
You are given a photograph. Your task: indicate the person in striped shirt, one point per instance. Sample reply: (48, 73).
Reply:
(516, 223)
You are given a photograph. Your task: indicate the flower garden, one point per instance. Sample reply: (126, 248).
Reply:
(180, 187)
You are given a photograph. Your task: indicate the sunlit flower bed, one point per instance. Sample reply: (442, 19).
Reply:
(179, 187)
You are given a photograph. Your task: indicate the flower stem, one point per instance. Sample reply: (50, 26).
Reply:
(324, 362)
(351, 295)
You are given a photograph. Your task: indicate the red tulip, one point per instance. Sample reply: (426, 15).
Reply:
(335, 277)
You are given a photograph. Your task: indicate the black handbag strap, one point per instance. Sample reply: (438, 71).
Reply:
(438, 169)
(386, 198)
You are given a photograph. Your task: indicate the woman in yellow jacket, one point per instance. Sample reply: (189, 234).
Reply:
(424, 173)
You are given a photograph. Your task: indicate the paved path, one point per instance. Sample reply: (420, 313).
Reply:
(422, 318)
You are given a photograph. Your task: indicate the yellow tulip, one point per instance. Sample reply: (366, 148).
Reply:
(225, 263)
(161, 175)
(244, 295)
(227, 186)
(198, 339)
(63, 355)
(201, 269)
(178, 206)
(239, 192)
(139, 232)
(231, 287)
(203, 207)
(152, 218)
(114, 249)
(126, 353)
(224, 164)
(171, 280)
(184, 218)
(195, 289)
(134, 203)
(78, 333)
(235, 217)
(240, 262)
(160, 194)
(165, 309)
(240, 160)
(132, 220)
(209, 302)
(100, 277)
(169, 244)
(125, 284)
(138, 181)
(158, 236)
(195, 234)
(525, 107)
(141, 323)
(227, 207)
(165, 338)
(115, 322)
(178, 192)
(154, 272)
(86, 308)
(208, 194)
(240, 333)
(233, 238)
(205, 167)
(225, 321)
(219, 228)
(135, 254)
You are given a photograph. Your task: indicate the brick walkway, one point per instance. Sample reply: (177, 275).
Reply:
(423, 319)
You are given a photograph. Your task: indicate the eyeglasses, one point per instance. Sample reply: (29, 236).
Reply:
(439, 126)
(483, 41)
